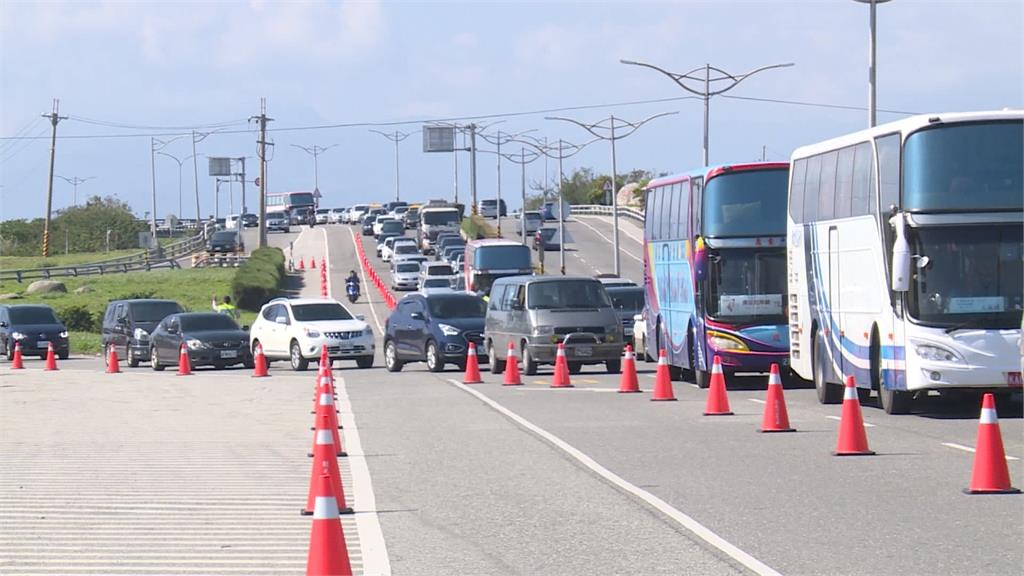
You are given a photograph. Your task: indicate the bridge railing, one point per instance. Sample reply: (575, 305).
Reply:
(602, 210)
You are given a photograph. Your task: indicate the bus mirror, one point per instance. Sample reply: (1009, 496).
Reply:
(901, 257)
(923, 262)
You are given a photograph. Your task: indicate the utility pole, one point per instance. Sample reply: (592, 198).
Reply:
(262, 119)
(706, 92)
(606, 130)
(472, 167)
(396, 137)
(55, 118)
(75, 181)
(244, 207)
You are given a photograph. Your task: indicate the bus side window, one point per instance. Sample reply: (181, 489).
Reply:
(827, 186)
(863, 177)
(811, 189)
(888, 148)
(681, 207)
(844, 182)
(653, 199)
(796, 191)
(697, 189)
(667, 226)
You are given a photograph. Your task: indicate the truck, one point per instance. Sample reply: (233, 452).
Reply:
(435, 217)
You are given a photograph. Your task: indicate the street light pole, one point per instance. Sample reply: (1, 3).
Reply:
(75, 181)
(606, 130)
(396, 137)
(181, 163)
(872, 118)
(499, 139)
(155, 147)
(706, 93)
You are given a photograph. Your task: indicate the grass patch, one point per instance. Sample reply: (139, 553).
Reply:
(20, 262)
(86, 343)
(477, 227)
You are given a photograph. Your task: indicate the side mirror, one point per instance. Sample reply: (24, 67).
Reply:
(281, 320)
(360, 316)
(901, 258)
(245, 328)
(518, 306)
(172, 330)
(416, 316)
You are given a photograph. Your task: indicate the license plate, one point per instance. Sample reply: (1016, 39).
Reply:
(584, 351)
(229, 353)
(42, 343)
(1013, 380)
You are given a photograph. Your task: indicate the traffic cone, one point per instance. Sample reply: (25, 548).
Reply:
(302, 264)
(628, 382)
(560, 379)
(312, 262)
(259, 362)
(853, 440)
(325, 462)
(775, 419)
(113, 367)
(328, 553)
(991, 475)
(325, 407)
(472, 375)
(718, 399)
(663, 380)
(51, 358)
(184, 364)
(512, 367)
(17, 362)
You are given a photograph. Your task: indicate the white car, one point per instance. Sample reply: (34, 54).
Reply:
(399, 258)
(404, 247)
(534, 220)
(277, 221)
(405, 276)
(297, 329)
(323, 215)
(357, 212)
(337, 215)
(389, 248)
(379, 223)
(437, 270)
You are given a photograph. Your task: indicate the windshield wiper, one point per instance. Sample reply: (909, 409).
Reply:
(972, 323)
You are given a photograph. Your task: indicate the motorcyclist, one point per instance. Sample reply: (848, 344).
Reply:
(352, 279)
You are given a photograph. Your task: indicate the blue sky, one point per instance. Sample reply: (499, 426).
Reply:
(161, 66)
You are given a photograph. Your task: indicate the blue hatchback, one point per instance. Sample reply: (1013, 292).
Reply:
(434, 328)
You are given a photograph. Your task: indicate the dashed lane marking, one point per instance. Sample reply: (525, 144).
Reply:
(665, 508)
(969, 449)
(609, 240)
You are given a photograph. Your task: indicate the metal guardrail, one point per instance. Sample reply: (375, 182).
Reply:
(162, 257)
(602, 210)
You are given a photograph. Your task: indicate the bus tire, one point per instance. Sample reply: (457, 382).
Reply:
(701, 378)
(828, 393)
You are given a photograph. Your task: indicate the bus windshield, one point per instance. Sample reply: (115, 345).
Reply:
(301, 198)
(440, 217)
(503, 258)
(971, 276)
(747, 203)
(747, 284)
(965, 167)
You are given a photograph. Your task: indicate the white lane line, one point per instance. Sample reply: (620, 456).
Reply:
(969, 449)
(327, 256)
(371, 538)
(665, 508)
(622, 229)
(369, 300)
(608, 240)
(837, 418)
(758, 400)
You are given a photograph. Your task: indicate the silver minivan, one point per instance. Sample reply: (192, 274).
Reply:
(536, 313)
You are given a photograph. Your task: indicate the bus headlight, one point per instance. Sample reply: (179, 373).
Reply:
(936, 353)
(720, 341)
(543, 330)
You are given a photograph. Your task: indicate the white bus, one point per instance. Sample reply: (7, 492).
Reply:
(905, 257)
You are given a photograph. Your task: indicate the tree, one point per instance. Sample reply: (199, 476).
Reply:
(584, 187)
(84, 226)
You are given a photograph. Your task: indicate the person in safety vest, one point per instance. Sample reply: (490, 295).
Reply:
(225, 307)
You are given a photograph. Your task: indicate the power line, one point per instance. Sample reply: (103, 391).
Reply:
(128, 126)
(817, 104)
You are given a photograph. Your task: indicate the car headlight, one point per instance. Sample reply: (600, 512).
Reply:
(543, 330)
(936, 353)
(194, 344)
(720, 341)
(310, 333)
(367, 331)
(63, 334)
(17, 335)
(449, 330)
(141, 334)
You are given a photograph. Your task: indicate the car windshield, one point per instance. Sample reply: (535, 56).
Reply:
(566, 294)
(440, 270)
(320, 311)
(627, 299)
(547, 234)
(972, 275)
(392, 226)
(405, 248)
(223, 236)
(407, 267)
(323, 211)
(440, 217)
(436, 283)
(153, 311)
(207, 322)
(457, 306)
(746, 284)
(533, 217)
(32, 315)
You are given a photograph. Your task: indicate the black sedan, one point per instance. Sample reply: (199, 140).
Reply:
(212, 339)
(225, 241)
(250, 220)
(35, 327)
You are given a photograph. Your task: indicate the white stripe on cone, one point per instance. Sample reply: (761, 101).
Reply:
(326, 400)
(850, 393)
(324, 437)
(988, 416)
(716, 368)
(773, 378)
(325, 508)
(561, 351)
(472, 351)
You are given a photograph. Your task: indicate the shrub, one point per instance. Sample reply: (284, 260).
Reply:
(259, 279)
(78, 318)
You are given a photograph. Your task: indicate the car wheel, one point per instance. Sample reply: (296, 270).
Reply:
(63, 355)
(133, 360)
(391, 361)
(827, 393)
(496, 366)
(434, 361)
(575, 367)
(249, 362)
(365, 362)
(529, 364)
(155, 360)
(298, 362)
(613, 366)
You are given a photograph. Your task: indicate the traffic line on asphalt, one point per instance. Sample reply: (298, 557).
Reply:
(609, 240)
(757, 400)
(838, 419)
(369, 300)
(622, 229)
(327, 266)
(969, 449)
(684, 520)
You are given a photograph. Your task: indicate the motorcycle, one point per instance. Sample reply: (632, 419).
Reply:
(352, 290)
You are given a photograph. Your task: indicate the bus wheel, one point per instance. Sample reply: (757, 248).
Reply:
(700, 377)
(892, 401)
(827, 393)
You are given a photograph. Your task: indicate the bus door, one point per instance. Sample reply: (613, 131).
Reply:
(834, 312)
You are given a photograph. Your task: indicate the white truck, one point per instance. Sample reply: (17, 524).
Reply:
(436, 218)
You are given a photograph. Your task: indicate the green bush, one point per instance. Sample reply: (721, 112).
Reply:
(259, 279)
(476, 227)
(78, 318)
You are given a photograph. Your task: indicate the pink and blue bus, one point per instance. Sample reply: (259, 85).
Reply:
(715, 269)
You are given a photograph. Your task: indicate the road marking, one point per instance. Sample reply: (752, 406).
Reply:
(327, 256)
(371, 538)
(758, 400)
(840, 420)
(608, 240)
(969, 449)
(373, 309)
(665, 508)
(638, 239)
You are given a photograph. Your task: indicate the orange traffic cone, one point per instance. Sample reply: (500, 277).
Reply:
(991, 475)
(325, 360)
(302, 264)
(324, 462)
(17, 362)
(512, 367)
(853, 440)
(628, 382)
(259, 361)
(560, 379)
(184, 364)
(718, 399)
(51, 358)
(328, 553)
(663, 380)
(776, 418)
(472, 375)
(312, 262)
(325, 408)
(113, 367)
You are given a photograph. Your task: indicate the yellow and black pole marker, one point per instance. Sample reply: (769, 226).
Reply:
(54, 119)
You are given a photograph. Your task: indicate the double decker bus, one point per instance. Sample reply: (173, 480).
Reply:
(287, 201)
(715, 268)
(905, 257)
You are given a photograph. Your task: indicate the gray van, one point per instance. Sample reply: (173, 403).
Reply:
(536, 313)
(127, 325)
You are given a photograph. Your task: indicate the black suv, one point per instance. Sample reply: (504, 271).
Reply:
(128, 324)
(35, 327)
(226, 241)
